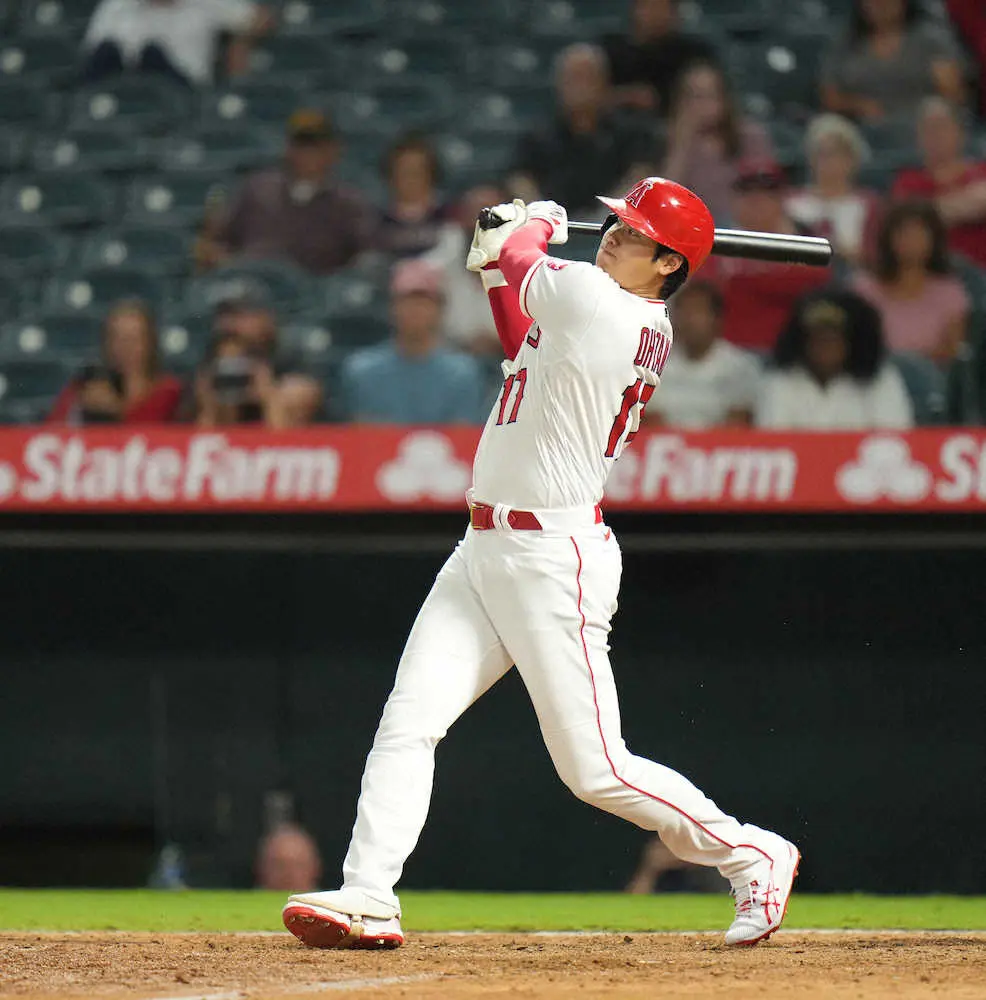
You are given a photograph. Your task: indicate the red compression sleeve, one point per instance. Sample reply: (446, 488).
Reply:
(526, 246)
(523, 249)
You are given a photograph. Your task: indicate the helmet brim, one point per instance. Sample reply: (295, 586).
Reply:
(633, 217)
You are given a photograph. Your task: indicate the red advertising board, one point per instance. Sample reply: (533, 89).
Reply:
(364, 468)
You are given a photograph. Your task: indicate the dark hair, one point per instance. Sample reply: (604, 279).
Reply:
(899, 214)
(729, 128)
(860, 29)
(145, 312)
(411, 142)
(711, 293)
(675, 279)
(863, 331)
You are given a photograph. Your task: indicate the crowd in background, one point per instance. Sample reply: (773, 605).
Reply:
(860, 345)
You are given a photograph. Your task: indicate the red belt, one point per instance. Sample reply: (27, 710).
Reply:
(481, 518)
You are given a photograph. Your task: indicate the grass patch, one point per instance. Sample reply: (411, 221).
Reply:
(199, 910)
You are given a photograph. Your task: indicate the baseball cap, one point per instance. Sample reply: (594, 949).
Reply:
(759, 175)
(416, 276)
(309, 123)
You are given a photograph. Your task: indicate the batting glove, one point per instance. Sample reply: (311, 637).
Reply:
(494, 226)
(552, 213)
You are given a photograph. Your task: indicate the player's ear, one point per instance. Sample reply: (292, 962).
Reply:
(670, 262)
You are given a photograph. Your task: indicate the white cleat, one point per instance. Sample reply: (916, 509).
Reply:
(344, 918)
(762, 896)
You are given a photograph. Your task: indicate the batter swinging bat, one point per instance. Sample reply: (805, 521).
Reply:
(755, 246)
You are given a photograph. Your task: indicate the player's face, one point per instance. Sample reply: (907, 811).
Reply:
(628, 258)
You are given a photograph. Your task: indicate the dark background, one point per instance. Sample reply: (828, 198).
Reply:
(824, 677)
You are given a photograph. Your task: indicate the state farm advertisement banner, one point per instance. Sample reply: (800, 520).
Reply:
(362, 468)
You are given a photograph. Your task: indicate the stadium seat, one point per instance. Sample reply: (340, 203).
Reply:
(176, 199)
(312, 339)
(222, 148)
(28, 389)
(52, 61)
(13, 149)
(289, 288)
(94, 291)
(784, 68)
(86, 152)
(151, 249)
(309, 63)
(353, 290)
(926, 386)
(66, 18)
(439, 15)
(507, 109)
(45, 199)
(27, 104)
(356, 329)
(529, 62)
(350, 17)
(576, 19)
(390, 107)
(142, 105)
(740, 17)
(447, 54)
(32, 250)
(466, 157)
(70, 337)
(250, 101)
(183, 340)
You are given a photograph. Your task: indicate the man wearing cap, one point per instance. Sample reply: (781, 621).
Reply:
(413, 378)
(297, 211)
(758, 297)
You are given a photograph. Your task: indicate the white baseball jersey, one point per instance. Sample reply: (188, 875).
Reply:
(573, 396)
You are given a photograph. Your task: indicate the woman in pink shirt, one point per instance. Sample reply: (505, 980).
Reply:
(924, 307)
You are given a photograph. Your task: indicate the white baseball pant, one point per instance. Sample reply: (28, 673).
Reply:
(542, 601)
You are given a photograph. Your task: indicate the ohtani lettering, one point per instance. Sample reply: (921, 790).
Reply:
(653, 351)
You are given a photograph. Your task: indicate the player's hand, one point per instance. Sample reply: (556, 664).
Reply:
(494, 226)
(555, 215)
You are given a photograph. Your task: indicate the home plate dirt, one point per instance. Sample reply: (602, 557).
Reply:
(624, 967)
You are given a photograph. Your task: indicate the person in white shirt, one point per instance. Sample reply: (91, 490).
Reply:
(174, 38)
(832, 372)
(707, 381)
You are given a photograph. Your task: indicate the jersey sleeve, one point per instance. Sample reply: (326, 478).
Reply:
(562, 297)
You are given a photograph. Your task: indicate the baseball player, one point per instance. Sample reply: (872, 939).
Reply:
(534, 581)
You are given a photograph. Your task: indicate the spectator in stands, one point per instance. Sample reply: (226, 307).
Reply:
(178, 39)
(757, 296)
(955, 183)
(707, 138)
(412, 378)
(924, 306)
(969, 16)
(645, 63)
(707, 381)
(246, 378)
(891, 58)
(832, 204)
(468, 318)
(288, 860)
(832, 372)
(585, 151)
(660, 871)
(296, 211)
(127, 386)
(415, 213)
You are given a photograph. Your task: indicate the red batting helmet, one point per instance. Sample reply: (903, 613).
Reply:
(670, 214)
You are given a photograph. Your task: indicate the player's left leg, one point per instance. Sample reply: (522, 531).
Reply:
(554, 618)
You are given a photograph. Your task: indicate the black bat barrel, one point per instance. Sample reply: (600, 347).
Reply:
(755, 246)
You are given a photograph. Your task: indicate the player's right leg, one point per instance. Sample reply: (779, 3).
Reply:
(452, 656)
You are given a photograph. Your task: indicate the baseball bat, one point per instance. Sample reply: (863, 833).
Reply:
(813, 250)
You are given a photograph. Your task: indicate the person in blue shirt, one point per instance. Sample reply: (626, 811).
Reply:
(413, 378)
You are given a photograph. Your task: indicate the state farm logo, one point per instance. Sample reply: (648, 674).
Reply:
(884, 469)
(205, 468)
(426, 467)
(668, 467)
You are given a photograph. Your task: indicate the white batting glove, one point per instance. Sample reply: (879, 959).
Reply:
(487, 243)
(555, 215)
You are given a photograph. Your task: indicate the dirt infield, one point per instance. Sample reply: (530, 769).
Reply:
(628, 967)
